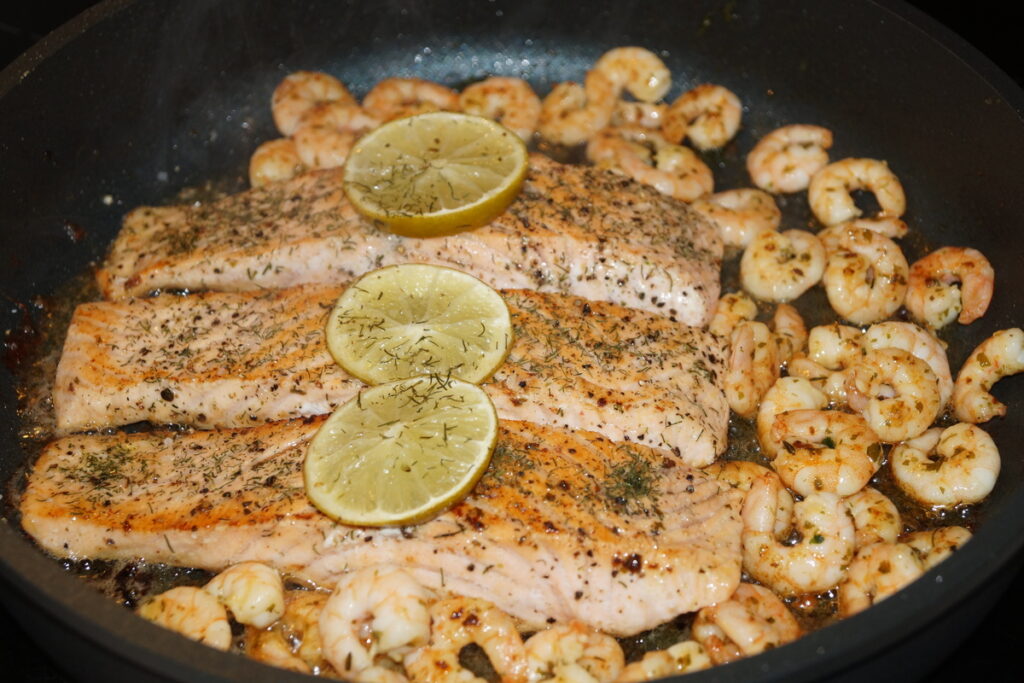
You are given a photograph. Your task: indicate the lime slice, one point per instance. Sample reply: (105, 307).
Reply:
(416, 319)
(401, 452)
(435, 174)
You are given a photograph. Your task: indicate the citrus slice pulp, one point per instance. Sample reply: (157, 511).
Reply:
(417, 319)
(401, 452)
(436, 173)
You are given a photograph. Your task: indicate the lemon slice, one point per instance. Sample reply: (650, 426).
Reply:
(416, 319)
(401, 452)
(435, 174)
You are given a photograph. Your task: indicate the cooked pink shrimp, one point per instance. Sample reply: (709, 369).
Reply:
(646, 114)
(509, 101)
(457, 622)
(645, 156)
(790, 332)
(273, 161)
(918, 341)
(830, 188)
(732, 309)
(999, 356)
(340, 114)
(787, 158)
(709, 115)
(572, 113)
(193, 613)
(752, 368)
(866, 277)
(323, 146)
(751, 621)
(572, 652)
(677, 659)
(830, 382)
(788, 393)
(740, 215)
(741, 474)
(933, 296)
(301, 91)
(896, 392)
(395, 98)
(936, 545)
(825, 450)
(780, 266)
(875, 517)
(955, 466)
(636, 70)
(877, 571)
(817, 562)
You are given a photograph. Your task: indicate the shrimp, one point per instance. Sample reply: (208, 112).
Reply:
(830, 188)
(890, 226)
(999, 356)
(955, 466)
(732, 309)
(788, 393)
(646, 114)
(740, 215)
(708, 114)
(293, 642)
(301, 91)
(395, 98)
(457, 622)
(636, 70)
(341, 115)
(323, 146)
(680, 658)
(825, 450)
(866, 277)
(751, 621)
(933, 297)
(193, 613)
(645, 156)
(786, 159)
(875, 517)
(780, 266)
(252, 591)
(509, 101)
(273, 161)
(830, 382)
(573, 652)
(790, 331)
(877, 571)
(741, 474)
(753, 367)
(835, 346)
(936, 545)
(572, 113)
(373, 613)
(895, 391)
(817, 561)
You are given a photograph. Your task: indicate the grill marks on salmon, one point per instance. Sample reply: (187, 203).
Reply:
(572, 229)
(240, 359)
(563, 525)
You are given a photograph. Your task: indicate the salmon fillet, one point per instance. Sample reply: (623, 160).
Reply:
(564, 525)
(228, 359)
(573, 229)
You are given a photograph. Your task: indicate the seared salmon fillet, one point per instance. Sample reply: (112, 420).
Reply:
(564, 525)
(236, 359)
(572, 229)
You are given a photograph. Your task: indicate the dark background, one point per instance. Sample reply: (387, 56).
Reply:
(990, 653)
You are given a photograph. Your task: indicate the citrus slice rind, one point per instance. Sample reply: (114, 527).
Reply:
(417, 319)
(401, 453)
(436, 173)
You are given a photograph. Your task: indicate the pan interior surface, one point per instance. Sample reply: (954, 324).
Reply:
(135, 101)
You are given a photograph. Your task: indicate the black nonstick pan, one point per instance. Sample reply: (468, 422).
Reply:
(134, 101)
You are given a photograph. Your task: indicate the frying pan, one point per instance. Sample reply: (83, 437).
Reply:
(134, 101)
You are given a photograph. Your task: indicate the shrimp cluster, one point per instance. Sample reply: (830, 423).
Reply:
(833, 407)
